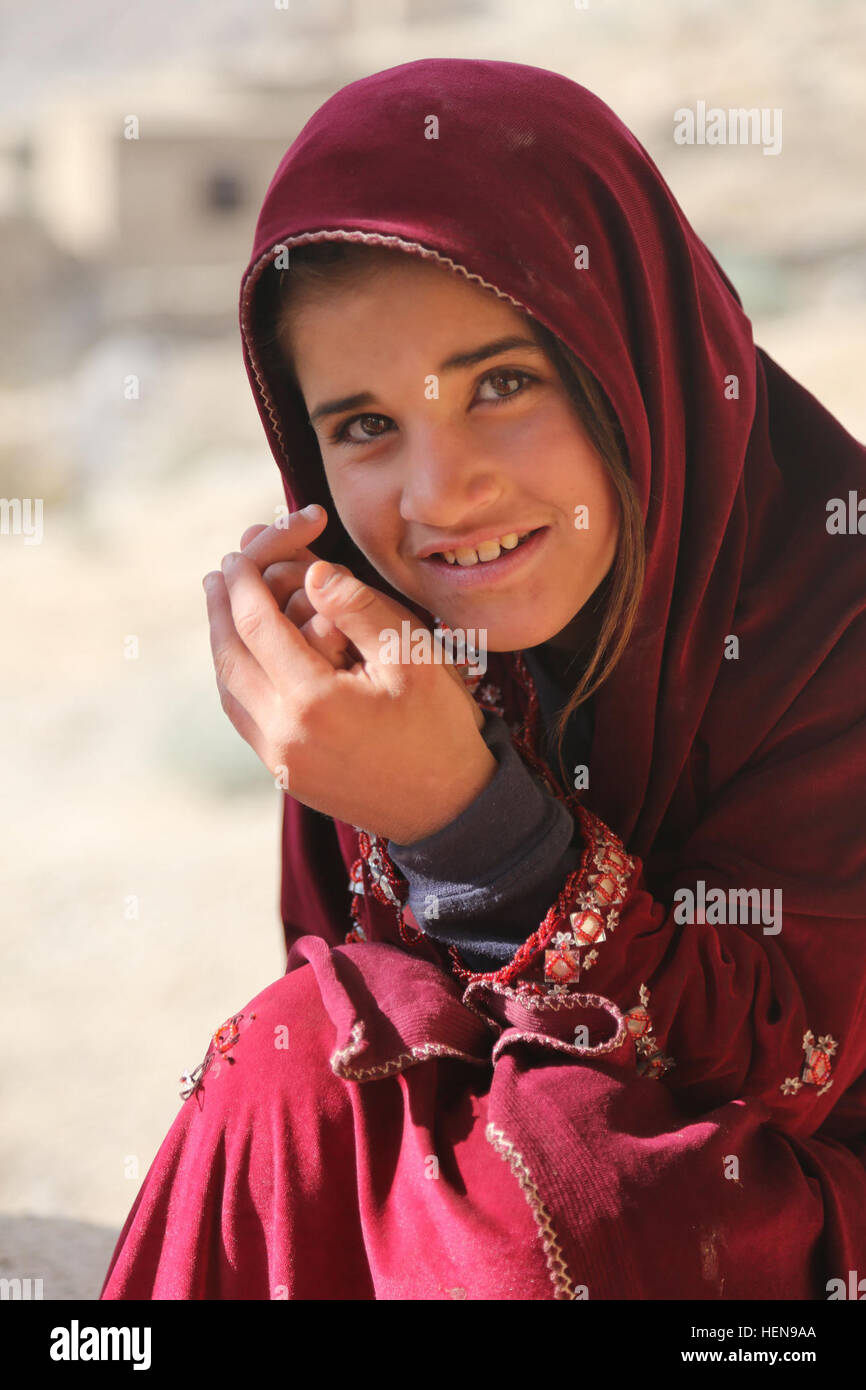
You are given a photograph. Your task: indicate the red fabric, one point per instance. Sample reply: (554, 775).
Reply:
(289, 1172)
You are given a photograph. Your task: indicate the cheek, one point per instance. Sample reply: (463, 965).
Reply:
(363, 509)
(575, 472)
(551, 433)
(576, 477)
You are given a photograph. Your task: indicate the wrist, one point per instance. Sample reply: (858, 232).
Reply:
(457, 795)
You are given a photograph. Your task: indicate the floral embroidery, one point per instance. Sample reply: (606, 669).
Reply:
(490, 696)
(652, 1062)
(816, 1065)
(222, 1041)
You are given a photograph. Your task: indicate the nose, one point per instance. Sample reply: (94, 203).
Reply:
(447, 480)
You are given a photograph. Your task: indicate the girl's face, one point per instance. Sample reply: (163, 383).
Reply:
(436, 436)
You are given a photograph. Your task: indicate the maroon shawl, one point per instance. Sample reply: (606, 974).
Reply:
(309, 1177)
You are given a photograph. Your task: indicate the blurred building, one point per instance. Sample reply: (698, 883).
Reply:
(109, 215)
(115, 210)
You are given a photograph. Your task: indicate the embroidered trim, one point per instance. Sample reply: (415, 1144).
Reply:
(816, 1065)
(352, 1048)
(559, 1274)
(550, 960)
(596, 914)
(385, 886)
(539, 1002)
(552, 1000)
(356, 885)
(559, 1044)
(340, 1059)
(652, 1062)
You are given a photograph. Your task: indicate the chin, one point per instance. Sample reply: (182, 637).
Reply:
(514, 635)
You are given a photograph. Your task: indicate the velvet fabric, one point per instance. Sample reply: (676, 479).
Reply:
(419, 1138)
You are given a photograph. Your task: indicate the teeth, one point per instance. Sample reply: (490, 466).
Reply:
(466, 557)
(486, 550)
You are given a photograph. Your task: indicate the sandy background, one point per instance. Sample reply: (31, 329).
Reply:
(122, 778)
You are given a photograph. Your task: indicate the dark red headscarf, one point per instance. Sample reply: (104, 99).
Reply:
(735, 767)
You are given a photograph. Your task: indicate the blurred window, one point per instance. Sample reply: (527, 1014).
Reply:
(223, 192)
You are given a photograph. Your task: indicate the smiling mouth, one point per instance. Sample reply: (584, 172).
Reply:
(484, 573)
(472, 557)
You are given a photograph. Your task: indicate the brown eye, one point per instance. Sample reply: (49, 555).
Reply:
(504, 376)
(342, 435)
(523, 380)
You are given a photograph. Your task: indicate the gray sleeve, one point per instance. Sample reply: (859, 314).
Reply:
(484, 882)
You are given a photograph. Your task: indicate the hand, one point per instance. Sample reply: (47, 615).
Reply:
(394, 749)
(284, 563)
(278, 552)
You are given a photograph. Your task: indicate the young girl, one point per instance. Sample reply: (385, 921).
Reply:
(577, 930)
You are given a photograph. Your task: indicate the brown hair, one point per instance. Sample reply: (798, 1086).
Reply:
(317, 267)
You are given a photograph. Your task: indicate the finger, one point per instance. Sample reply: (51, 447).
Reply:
(251, 532)
(238, 673)
(364, 615)
(268, 635)
(299, 610)
(285, 578)
(323, 637)
(287, 541)
(319, 631)
(245, 724)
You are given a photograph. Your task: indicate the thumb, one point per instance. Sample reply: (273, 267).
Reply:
(366, 616)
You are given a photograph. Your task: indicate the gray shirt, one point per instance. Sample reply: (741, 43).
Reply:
(485, 882)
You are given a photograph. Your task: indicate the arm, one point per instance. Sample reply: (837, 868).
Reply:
(499, 865)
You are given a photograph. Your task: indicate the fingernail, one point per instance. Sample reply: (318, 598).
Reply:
(311, 512)
(230, 559)
(208, 580)
(323, 576)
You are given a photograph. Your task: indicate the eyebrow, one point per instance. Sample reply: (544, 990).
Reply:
(458, 359)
